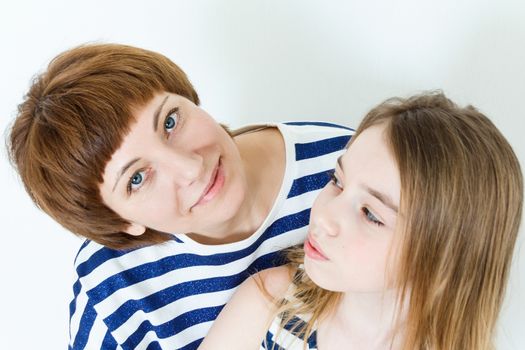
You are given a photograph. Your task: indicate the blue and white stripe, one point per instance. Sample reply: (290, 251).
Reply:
(167, 296)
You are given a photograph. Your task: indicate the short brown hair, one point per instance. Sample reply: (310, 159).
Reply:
(73, 119)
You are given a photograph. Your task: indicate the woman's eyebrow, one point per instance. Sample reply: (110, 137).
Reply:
(123, 170)
(157, 113)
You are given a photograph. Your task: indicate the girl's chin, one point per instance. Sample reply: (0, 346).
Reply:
(322, 279)
(316, 276)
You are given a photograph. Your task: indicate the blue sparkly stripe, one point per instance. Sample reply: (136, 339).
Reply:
(98, 258)
(168, 329)
(109, 343)
(76, 289)
(320, 148)
(86, 323)
(102, 255)
(173, 293)
(295, 326)
(84, 245)
(154, 346)
(309, 183)
(77, 286)
(73, 304)
(269, 343)
(320, 124)
(312, 340)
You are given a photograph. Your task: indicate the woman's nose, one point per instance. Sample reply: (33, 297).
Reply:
(186, 167)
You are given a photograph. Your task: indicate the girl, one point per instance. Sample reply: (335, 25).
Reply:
(409, 245)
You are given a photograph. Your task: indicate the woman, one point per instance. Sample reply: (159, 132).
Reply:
(410, 252)
(111, 143)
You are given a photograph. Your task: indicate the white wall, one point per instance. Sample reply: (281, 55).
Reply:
(255, 61)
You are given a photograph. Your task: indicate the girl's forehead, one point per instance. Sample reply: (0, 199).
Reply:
(369, 162)
(369, 145)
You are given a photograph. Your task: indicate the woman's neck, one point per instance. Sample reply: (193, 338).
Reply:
(362, 321)
(264, 159)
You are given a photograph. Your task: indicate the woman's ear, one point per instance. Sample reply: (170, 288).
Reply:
(135, 229)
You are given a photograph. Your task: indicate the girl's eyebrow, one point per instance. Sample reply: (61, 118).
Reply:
(340, 162)
(383, 198)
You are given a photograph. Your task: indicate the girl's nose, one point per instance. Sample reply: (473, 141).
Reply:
(324, 219)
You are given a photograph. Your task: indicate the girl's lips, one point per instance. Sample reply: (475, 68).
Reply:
(214, 186)
(312, 250)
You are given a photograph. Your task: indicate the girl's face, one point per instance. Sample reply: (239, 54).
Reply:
(353, 219)
(177, 170)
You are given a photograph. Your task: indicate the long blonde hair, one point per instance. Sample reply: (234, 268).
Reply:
(461, 203)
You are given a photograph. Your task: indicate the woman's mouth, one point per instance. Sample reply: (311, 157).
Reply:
(312, 249)
(214, 186)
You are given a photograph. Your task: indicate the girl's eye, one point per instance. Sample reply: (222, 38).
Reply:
(371, 217)
(171, 121)
(136, 180)
(334, 180)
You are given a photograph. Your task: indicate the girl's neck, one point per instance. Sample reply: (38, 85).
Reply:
(362, 321)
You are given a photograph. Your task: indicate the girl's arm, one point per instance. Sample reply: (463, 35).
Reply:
(243, 322)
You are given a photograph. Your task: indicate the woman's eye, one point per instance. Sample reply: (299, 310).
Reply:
(334, 180)
(170, 123)
(136, 180)
(371, 217)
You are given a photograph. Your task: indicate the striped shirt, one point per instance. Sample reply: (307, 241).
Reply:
(166, 296)
(289, 337)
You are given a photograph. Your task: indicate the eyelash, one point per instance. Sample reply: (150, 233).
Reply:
(167, 133)
(334, 180)
(145, 179)
(369, 216)
(177, 121)
(367, 213)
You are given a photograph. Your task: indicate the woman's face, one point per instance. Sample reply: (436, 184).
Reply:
(353, 219)
(177, 171)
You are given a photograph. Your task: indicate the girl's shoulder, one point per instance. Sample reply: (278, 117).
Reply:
(275, 281)
(251, 309)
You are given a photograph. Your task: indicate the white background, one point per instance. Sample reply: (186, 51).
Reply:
(255, 61)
